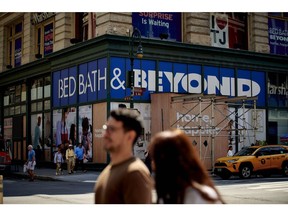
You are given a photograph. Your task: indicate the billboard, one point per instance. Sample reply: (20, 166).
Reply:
(278, 36)
(158, 25)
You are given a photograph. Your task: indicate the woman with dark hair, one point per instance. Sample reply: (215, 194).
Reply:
(180, 177)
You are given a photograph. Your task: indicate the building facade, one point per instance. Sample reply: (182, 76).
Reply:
(220, 77)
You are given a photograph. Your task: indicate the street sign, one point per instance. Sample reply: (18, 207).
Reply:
(128, 98)
(137, 91)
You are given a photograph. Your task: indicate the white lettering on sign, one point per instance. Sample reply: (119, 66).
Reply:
(40, 17)
(191, 83)
(274, 90)
(92, 82)
(194, 130)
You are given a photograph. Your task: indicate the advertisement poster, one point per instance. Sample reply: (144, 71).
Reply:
(62, 121)
(18, 51)
(158, 25)
(85, 130)
(278, 36)
(48, 39)
(219, 30)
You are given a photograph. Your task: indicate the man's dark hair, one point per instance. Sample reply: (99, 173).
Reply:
(130, 120)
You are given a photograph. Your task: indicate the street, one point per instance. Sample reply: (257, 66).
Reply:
(273, 190)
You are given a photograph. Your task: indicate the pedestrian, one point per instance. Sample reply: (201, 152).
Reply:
(126, 179)
(31, 162)
(229, 151)
(180, 177)
(58, 160)
(70, 157)
(80, 153)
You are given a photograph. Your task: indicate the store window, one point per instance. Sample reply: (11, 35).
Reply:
(44, 38)
(277, 90)
(277, 127)
(40, 94)
(81, 27)
(15, 100)
(14, 44)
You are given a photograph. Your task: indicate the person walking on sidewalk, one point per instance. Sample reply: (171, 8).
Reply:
(70, 157)
(58, 160)
(126, 179)
(230, 151)
(180, 176)
(31, 162)
(80, 154)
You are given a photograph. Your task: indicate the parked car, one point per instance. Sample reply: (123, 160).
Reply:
(264, 160)
(5, 155)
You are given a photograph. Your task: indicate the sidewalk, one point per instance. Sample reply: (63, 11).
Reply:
(50, 175)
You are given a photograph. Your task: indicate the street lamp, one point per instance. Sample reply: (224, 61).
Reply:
(139, 54)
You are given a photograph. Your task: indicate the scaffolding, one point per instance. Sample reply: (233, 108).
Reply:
(241, 105)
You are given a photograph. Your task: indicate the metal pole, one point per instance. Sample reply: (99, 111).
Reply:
(132, 80)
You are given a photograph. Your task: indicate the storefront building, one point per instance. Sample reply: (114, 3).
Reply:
(213, 89)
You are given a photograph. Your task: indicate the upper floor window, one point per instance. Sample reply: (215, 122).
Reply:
(44, 33)
(44, 38)
(14, 44)
(238, 37)
(278, 15)
(81, 26)
(278, 33)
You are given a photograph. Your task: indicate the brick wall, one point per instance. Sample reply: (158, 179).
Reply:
(196, 28)
(258, 32)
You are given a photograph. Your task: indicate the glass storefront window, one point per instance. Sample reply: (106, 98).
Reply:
(18, 94)
(277, 126)
(282, 89)
(39, 106)
(46, 104)
(12, 109)
(33, 107)
(23, 109)
(47, 87)
(23, 93)
(17, 110)
(6, 112)
(37, 89)
(6, 98)
(277, 90)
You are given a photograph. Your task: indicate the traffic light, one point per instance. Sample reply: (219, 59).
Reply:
(130, 79)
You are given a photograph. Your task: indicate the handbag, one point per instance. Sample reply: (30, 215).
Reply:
(25, 168)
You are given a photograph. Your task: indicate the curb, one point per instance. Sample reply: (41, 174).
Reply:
(39, 177)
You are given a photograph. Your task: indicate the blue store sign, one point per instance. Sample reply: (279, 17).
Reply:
(92, 79)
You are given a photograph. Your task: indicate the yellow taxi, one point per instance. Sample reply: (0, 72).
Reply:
(264, 160)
